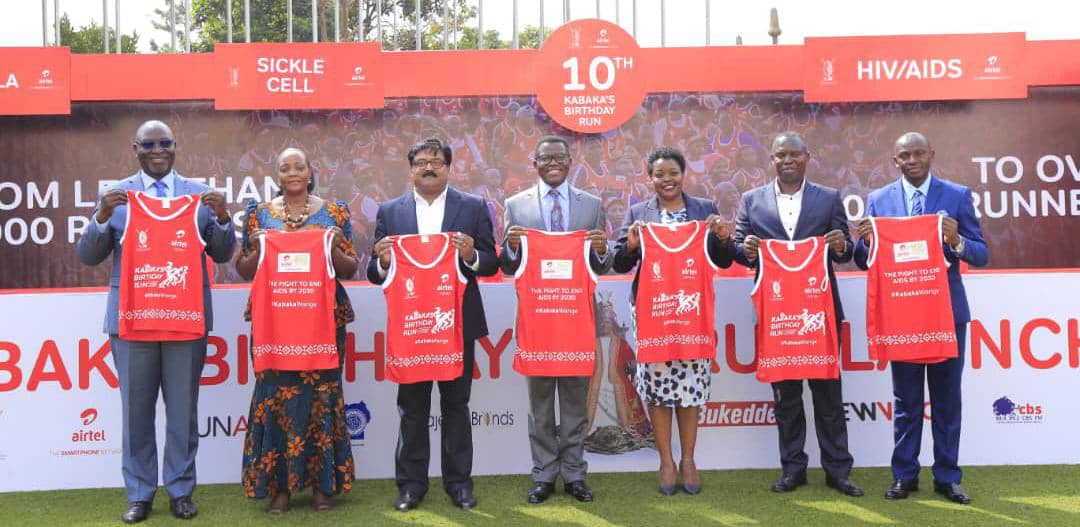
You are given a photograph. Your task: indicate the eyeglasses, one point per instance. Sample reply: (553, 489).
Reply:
(149, 145)
(545, 159)
(435, 163)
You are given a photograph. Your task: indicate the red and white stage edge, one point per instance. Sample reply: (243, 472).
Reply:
(60, 410)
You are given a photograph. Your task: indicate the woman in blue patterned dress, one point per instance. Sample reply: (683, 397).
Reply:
(297, 436)
(679, 387)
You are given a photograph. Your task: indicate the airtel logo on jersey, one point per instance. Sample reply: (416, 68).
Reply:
(909, 69)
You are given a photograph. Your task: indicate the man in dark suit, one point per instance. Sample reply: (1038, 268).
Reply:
(791, 208)
(920, 192)
(432, 207)
(553, 205)
(146, 368)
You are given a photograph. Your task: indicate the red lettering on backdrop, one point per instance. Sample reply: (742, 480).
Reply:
(1074, 344)
(493, 353)
(49, 354)
(352, 355)
(298, 76)
(217, 359)
(730, 355)
(35, 81)
(589, 76)
(88, 362)
(10, 366)
(980, 337)
(908, 68)
(1025, 343)
(242, 368)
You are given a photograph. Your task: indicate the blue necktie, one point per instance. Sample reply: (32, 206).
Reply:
(917, 203)
(556, 212)
(159, 189)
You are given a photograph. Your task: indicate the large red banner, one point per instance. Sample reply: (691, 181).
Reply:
(35, 81)
(915, 68)
(298, 76)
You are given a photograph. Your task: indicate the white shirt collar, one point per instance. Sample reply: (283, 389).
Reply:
(797, 194)
(909, 189)
(421, 201)
(168, 179)
(562, 189)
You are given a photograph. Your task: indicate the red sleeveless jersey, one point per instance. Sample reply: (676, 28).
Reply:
(556, 321)
(796, 335)
(674, 306)
(424, 289)
(292, 302)
(161, 280)
(909, 314)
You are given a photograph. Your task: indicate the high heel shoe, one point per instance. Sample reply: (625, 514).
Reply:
(667, 490)
(690, 488)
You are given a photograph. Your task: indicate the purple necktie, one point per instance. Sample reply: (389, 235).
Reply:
(556, 212)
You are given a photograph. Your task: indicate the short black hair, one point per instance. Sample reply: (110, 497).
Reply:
(666, 152)
(552, 139)
(432, 144)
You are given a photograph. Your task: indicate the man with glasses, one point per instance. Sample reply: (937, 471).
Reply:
(553, 205)
(145, 368)
(432, 207)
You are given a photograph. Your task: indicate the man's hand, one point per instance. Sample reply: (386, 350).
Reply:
(216, 202)
(633, 236)
(513, 237)
(750, 247)
(835, 239)
(109, 201)
(464, 244)
(717, 226)
(382, 251)
(950, 231)
(866, 231)
(598, 240)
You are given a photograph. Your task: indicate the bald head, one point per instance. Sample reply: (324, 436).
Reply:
(155, 128)
(155, 147)
(913, 155)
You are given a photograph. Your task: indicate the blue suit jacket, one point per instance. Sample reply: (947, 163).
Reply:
(649, 212)
(955, 200)
(466, 214)
(95, 246)
(821, 212)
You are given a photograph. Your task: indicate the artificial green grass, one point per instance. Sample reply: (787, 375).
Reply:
(1030, 495)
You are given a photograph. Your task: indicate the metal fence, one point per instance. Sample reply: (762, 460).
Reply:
(392, 19)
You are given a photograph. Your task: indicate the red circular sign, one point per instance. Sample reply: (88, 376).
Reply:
(589, 76)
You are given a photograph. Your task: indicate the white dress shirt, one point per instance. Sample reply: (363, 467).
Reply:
(429, 220)
(924, 188)
(547, 203)
(789, 206)
(148, 183)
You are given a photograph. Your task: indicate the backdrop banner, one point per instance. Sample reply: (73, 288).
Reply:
(1021, 159)
(60, 409)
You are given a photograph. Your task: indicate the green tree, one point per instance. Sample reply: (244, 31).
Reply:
(87, 39)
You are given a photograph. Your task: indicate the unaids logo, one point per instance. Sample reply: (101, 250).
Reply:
(357, 417)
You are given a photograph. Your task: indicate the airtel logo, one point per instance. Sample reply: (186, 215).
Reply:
(88, 416)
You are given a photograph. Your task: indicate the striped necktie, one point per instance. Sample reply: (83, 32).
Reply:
(917, 203)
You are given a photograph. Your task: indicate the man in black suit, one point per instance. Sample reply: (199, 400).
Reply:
(430, 208)
(791, 208)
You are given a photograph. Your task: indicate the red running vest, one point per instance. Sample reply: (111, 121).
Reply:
(909, 314)
(796, 334)
(556, 321)
(161, 280)
(292, 302)
(424, 289)
(674, 306)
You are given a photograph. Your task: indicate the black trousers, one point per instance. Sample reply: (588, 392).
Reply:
(413, 446)
(829, 422)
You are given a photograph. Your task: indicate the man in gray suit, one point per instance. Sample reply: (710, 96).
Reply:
(144, 368)
(792, 208)
(553, 205)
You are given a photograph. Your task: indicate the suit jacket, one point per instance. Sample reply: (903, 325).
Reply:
(95, 246)
(720, 252)
(523, 210)
(955, 200)
(821, 212)
(465, 213)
